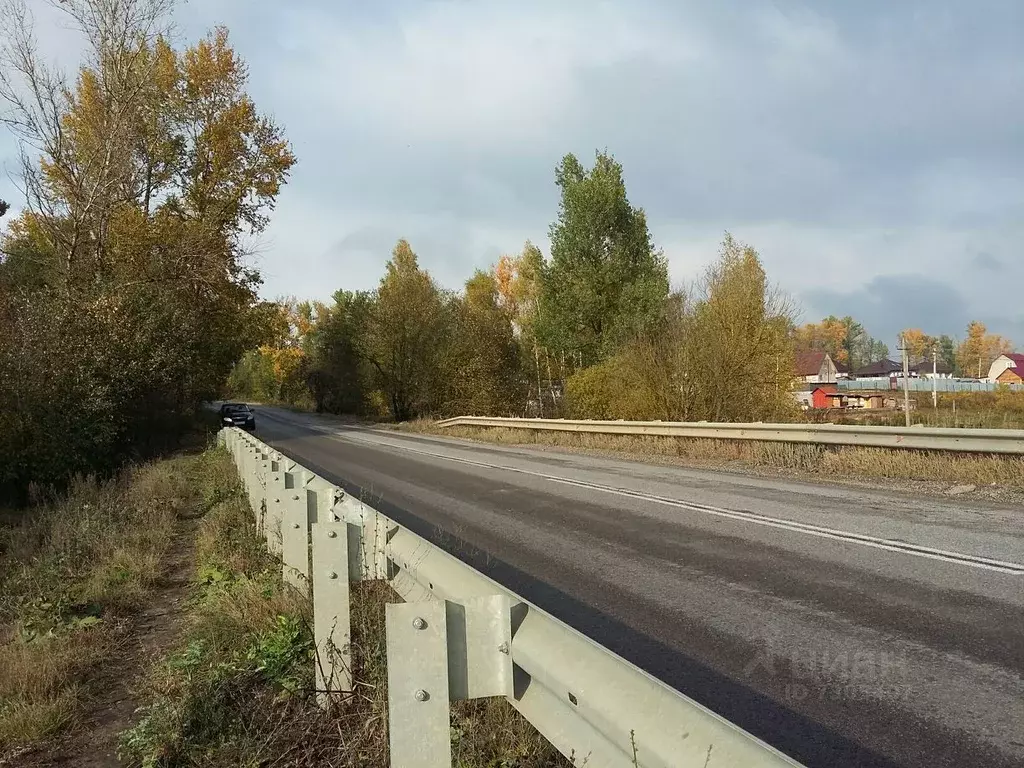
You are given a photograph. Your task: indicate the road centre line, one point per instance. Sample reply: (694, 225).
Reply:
(891, 545)
(793, 526)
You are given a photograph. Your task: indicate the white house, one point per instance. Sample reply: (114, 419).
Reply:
(1005, 363)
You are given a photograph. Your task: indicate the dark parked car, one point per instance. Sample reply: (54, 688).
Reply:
(238, 415)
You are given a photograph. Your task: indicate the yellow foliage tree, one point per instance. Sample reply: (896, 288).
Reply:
(918, 343)
(142, 173)
(829, 336)
(518, 280)
(976, 352)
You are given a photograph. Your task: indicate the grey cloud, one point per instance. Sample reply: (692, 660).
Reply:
(448, 248)
(859, 126)
(798, 114)
(986, 261)
(890, 303)
(805, 117)
(790, 111)
(363, 240)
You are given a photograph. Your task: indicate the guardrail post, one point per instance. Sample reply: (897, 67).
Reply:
(331, 621)
(318, 499)
(258, 493)
(437, 652)
(418, 705)
(275, 500)
(295, 532)
(253, 461)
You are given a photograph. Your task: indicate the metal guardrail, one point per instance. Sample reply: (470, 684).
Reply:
(461, 635)
(1009, 441)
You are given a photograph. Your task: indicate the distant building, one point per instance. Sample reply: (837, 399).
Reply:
(924, 370)
(826, 396)
(818, 368)
(877, 369)
(1007, 369)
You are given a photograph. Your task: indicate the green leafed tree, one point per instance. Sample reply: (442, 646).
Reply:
(482, 362)
(875, 350)
(404, 336)
(606, 281)
(341, 378)
(947, 353)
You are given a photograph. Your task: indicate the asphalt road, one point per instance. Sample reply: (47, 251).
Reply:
(843, 626)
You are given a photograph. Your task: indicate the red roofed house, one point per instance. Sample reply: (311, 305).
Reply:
(818, 368)
(1007, 369)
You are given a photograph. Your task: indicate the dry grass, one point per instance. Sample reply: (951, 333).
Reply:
(925, 465)
(240, 689)
(42, 684)
(218, 697)
(976, 469)
(72, 571)
(973, 410)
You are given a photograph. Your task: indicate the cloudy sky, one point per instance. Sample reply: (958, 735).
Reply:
(873, 152)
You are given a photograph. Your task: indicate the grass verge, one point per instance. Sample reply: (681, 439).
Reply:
(73, 570)
(829, 461)
(239, 690)
(1001, 409)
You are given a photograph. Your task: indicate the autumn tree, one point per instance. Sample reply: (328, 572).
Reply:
(606, 281)
(977, 351)
(740, 359)
(844, 339)
(648, 378)
(519, 280)
(482, 369)
(918, 343)
(831, 335)
(518, 285)
(278, 370)
(143, 176)
(720, 352)
(404, 336)
(418, 348)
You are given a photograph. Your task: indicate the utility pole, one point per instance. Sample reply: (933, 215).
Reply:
(906, 379)
(935, 377)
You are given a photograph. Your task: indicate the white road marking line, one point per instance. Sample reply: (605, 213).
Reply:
(891, 545)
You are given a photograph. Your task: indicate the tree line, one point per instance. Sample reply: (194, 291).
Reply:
(848, 344)
(969, 358)
(593, 331)
(125, 297)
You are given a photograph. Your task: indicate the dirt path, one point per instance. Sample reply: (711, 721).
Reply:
(151, 633)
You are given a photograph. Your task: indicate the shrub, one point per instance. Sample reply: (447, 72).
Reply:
(612, 390)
